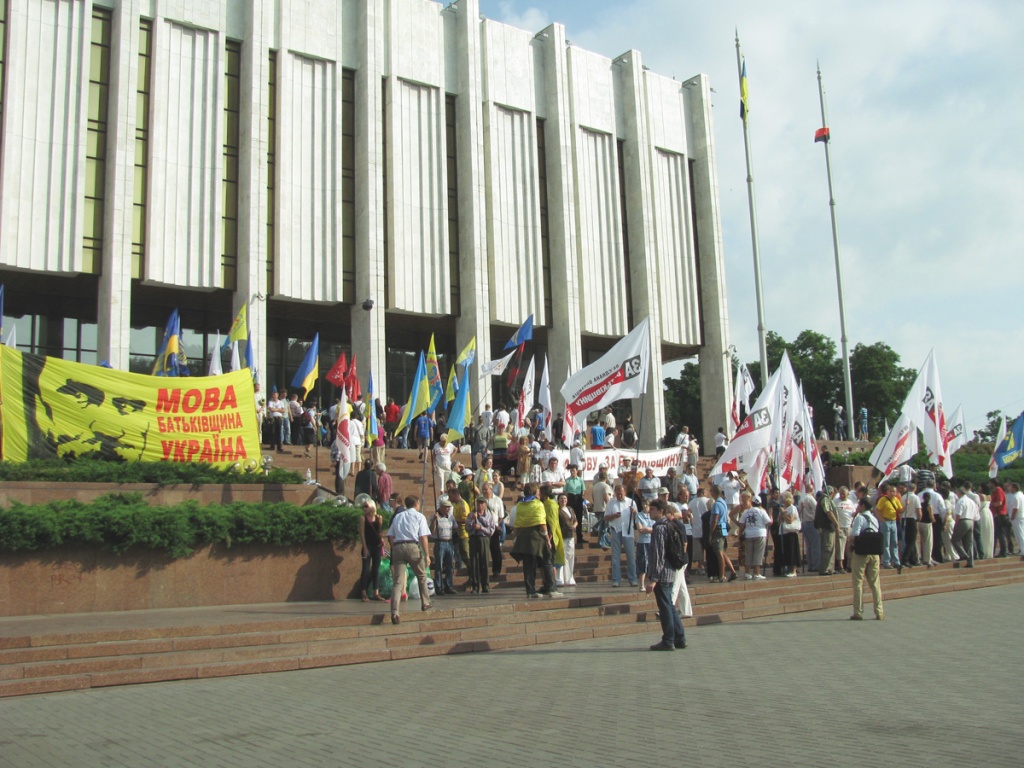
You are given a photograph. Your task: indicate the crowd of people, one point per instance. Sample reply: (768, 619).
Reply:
(729, 531)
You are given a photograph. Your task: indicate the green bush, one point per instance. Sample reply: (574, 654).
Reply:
(158, 473)
(119, 521)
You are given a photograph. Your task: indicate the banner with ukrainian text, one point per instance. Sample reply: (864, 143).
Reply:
(56, 408)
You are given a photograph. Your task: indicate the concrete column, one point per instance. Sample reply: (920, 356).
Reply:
(715, 367)
(368, 341)
(565, 349)
(643, 247)
(115, 285)
(475, 319)
(252, 288)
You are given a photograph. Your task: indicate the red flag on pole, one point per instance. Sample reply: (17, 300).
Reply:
(337, 373)
(352, 380)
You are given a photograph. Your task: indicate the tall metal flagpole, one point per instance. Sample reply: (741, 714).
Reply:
(761, 339)
(839, 267)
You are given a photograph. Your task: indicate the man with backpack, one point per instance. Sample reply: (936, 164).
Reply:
(667, 555)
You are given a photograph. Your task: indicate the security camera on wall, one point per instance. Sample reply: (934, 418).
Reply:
(368, 305)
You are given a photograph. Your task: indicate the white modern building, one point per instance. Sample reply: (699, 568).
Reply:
(308, 157)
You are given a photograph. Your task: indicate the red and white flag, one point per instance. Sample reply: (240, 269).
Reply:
(898, 447)
(526, 395)
(755, 434)
(343, 438)
(923, 407)
(620, 374)
(544, 398)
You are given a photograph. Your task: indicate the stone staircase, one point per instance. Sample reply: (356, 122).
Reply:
(44, 654)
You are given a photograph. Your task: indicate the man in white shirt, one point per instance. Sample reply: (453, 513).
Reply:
(966, 513)
(487, 416)
(1015, 512)
(683, 438)
(609, 420)
(409, 535)
(697, 506)
(689, 479)
(911, 516)
(721, 440)
(554, 476)
(620, 513)
(501, 418)
(807, 506)
(846, 508)
(649, 485)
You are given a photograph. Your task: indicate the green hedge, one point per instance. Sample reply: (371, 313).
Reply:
(119, 521)
(969, 463)
(159, 473)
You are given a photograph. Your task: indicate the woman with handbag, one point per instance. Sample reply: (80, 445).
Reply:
(867, 552)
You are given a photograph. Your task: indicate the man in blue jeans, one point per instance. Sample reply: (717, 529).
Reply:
(620, 515)
(660, 577)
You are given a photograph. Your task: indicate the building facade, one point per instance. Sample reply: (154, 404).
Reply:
(373, 170)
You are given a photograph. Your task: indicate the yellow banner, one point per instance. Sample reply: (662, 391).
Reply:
(55, 408)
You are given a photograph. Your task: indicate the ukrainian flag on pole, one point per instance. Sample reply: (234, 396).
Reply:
(419, 397)
(171, 360)
(239, 327)
(305, 378)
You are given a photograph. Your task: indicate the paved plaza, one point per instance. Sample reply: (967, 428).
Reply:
(935, 684)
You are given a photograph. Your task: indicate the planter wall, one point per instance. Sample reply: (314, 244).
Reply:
(74, 580)
(40, 493)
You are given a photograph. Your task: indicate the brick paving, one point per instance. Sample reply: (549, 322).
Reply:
(933, 685)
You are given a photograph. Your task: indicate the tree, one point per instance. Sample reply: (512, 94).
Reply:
(682, 399)
(813, 357)
(988, 434)
(880, 383)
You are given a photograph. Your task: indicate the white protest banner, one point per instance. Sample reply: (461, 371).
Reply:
(621, 373)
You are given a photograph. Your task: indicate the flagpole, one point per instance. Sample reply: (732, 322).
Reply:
(761, 332)
(847, 379)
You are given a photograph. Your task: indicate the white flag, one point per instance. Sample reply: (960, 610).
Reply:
(12, 337)
(619, 374)
(496, 367)
(544, 398)
(923, 407)
(526, 395)
(737, 397)
(993, 468)
(214, 367)
(236, 361)
(898, 447)
(812, 457)
(748, 386)
(343, 439)
(756, 432)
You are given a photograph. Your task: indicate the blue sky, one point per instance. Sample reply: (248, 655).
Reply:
(925, 112)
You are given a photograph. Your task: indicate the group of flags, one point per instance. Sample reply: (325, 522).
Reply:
(820, 134)
(171, 359)
(922, 410)
(777, 429)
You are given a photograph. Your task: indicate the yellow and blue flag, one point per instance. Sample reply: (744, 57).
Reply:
(1010, 447)
(453, 386)
(467, 355)
(461, 414)
(305, 378)
(433, 376)
(170, 359)
(419, 397)
(744, 94)
(239, 327)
